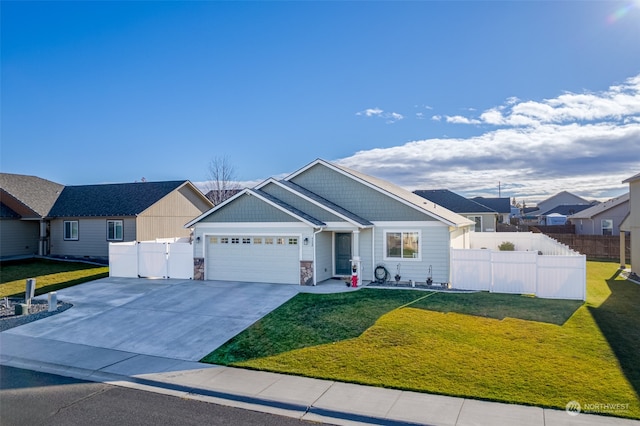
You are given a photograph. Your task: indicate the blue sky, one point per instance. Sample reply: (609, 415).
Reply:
(539, 96)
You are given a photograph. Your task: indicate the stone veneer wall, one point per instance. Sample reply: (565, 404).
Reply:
(198, 268)
(306, 272)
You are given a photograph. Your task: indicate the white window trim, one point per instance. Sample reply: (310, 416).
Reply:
(64, 230)
(473, 228)
(114, 229)
(401, 259)
(602, 228)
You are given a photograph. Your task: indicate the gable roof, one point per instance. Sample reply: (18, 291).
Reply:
(119, 199)
(499, 204)
(393, 191)
(601, 208)
(28, 196)
(566, 209)
(632, 178)
(452, 201)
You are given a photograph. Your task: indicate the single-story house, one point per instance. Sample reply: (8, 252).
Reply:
(559, 214)
(602, 219)
(631, 224)
(25, 201)
(563, 198)
(321, 222)
(86, 218)
(40, 217)
(484, 217)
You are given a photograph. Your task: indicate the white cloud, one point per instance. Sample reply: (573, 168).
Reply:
(389, 117)
(583, 143)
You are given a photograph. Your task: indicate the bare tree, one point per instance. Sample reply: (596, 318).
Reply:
(221, 183)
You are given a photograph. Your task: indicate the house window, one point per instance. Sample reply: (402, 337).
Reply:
(235, 240)
(257, 241)
(268, 240)
(607, 227)
(213, 240)
(402, 245)
(280, 241)
(224, 240)
(293, 241)
(478, 221)
(115, 229)
(246, 241)
(71, 230)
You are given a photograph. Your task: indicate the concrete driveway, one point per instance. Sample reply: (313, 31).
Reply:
(180, 319)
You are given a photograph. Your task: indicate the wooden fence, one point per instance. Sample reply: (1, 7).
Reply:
(595, 246)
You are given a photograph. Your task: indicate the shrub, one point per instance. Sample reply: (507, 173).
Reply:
(507, 246)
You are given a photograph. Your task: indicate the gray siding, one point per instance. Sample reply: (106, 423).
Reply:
(355, 196)
(92, 237)
(434, 246)
(248, 208)
(324, 260)
(368, 265)
(594, 226)
(19, 237)
(300, 203)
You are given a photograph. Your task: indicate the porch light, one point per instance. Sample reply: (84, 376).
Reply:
(306, 241)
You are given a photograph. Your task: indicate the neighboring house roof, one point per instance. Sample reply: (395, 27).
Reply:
(29, 196)
(632, 178)
(120, 199)
(566, 209)
(499, 204)
(593, 211)
(452, 201)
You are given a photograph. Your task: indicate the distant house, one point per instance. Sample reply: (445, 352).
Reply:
(559, 214)
(631, 224)
(501, 205)
(483, 216)
(40, 217)
(563, 198)
(25, 202)
(602, 219)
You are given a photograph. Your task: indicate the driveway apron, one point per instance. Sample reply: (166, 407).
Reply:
(180, 319)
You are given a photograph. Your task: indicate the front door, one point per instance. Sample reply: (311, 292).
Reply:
(343, 253)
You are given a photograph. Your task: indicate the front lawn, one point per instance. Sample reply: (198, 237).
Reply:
(50, 275)
(498, 347)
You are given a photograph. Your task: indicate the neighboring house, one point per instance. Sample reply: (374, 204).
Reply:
(86, 218)
(483, 216)
(40, 217)
(631, 224)
(563, 198)
(24, 203)
(559, 214)
(320, 222)
(602, 219)
(501, 205)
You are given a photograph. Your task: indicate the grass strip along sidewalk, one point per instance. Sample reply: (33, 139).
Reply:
(50, 275)
(499, 347)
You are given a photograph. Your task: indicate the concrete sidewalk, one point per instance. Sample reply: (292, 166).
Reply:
(308, 399)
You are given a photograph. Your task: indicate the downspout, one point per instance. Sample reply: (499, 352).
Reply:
(315, 266)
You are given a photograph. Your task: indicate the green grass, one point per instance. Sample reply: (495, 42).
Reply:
(50, 275)
(499, 347)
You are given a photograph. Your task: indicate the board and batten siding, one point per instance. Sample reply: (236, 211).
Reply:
(434, 247)
(356, 197)
(167, 217)
(19, 237)
(92, 236)
(248, 208)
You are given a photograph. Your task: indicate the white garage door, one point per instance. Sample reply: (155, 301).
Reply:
(271, 259)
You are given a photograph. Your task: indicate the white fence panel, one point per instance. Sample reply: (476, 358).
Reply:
(471, 269)
(123, 260)
(180, 261)
(562, 277)
(514, 272)
(152, 260)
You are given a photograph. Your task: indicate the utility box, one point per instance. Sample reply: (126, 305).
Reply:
(21, 309)
(53, 301)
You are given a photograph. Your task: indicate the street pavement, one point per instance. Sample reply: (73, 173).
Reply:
(86, 342)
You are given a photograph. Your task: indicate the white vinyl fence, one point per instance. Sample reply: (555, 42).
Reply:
(538, 266)
(165, 258)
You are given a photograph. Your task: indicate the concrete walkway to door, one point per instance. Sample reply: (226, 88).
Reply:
(179, 319)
